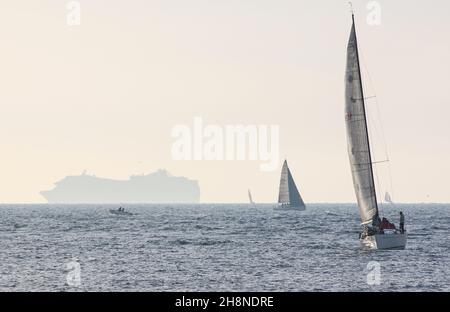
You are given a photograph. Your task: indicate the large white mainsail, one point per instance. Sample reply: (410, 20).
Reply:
(358, 137)
(288, 192)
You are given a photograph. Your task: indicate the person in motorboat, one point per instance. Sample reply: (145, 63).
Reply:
(402, 222)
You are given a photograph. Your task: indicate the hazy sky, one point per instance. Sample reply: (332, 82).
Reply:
(104, 96)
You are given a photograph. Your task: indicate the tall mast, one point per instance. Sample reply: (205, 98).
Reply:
(365, 120)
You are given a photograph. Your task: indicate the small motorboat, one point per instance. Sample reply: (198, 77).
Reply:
(120, 211)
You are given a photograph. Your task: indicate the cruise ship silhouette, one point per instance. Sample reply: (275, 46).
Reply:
(157, 187)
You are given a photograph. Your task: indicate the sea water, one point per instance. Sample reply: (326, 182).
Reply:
(217, 248)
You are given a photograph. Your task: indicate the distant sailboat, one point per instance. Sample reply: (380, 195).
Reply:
(289, 197)
(250, 198)
(373, 236)
(387, 198)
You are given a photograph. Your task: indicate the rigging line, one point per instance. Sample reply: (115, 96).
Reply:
(375, 132)
(376, 181)
(375, 168)
(378, 188)
(372, 85)
(377, 106)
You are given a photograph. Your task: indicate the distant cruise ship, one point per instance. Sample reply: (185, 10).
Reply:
(157, 187)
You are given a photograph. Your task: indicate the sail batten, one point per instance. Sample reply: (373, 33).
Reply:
(358, 136)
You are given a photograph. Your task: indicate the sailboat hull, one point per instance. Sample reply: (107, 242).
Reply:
(385, 241)
(290, 207)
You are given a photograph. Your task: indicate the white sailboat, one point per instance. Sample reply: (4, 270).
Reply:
(250, 198)
(289, 197)
(388, 198)
(373, 236)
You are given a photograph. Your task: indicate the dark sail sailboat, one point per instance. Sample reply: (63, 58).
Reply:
(373, 235)
(289, 197)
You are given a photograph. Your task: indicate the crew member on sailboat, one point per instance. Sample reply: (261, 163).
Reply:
(402, 222)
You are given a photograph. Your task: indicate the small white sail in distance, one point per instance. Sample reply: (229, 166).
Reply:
(387, 198)
(250, 198)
